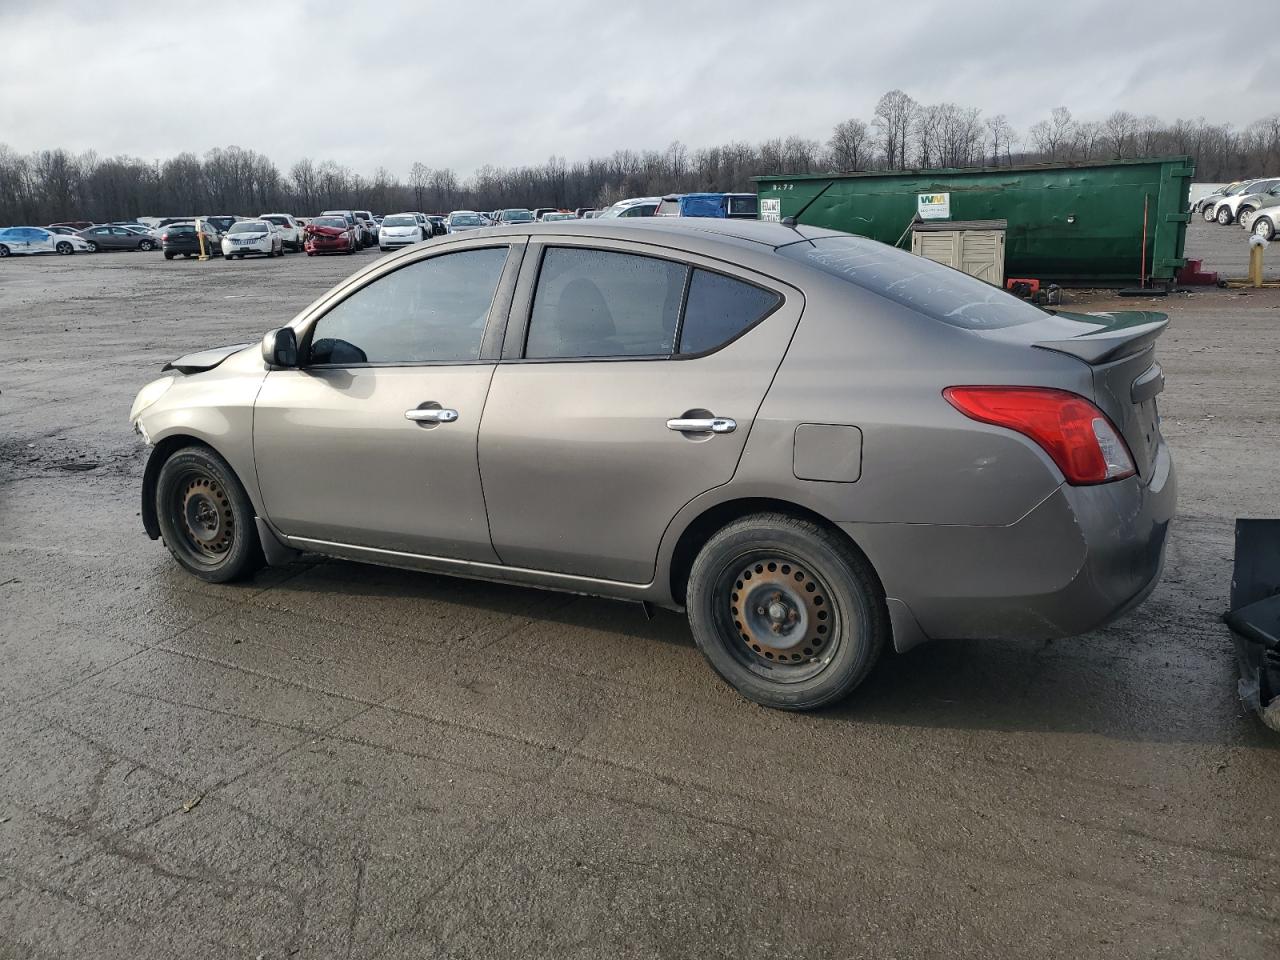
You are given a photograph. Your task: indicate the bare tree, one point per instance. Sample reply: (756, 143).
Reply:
(1118, 131)
(894, 115)
(849, 145)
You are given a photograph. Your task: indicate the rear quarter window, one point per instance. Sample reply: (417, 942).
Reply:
(929, 288)
(719, 308)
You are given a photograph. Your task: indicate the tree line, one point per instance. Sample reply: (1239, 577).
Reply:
(902, 133)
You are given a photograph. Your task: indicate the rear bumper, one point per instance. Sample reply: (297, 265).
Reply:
(1082, 557)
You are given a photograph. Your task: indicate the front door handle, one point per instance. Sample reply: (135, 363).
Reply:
(432, 415)
(703, 425)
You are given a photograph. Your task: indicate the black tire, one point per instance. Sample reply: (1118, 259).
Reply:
(64, 248)
(147, 245)
(1207, 213)
(168, 255)
(205, 516)
(4, 251)
(834, 622)
(1223, 215)
(93, 246)
(1264, 227)
(1242, 213)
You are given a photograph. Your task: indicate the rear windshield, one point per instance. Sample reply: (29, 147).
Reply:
(516, 216)
(182, 228)
(400, 221)
(466, 220)
(938, 292)
(248, 226)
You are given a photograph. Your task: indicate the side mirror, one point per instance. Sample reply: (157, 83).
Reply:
(280, 348)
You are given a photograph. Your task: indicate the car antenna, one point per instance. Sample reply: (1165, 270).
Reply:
(792, 220)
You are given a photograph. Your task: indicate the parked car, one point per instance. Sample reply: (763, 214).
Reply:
(400, 230)
(361, 235)
(222, 223)
(583, 211)
(539, 212)
(28, 240)
(815, 444)
(1209, 209)
(514, 215)
(1265, 221)
(368, 226)
(555, 215)
(118, 238)
(252, 236)
(635, 207)
(289, 227)
(1251, 203)
(461, 221)
(331, 233)
(439, 226)
(1227, 209)
(182, 238)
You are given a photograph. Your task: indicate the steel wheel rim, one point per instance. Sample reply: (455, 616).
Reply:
(204, 517)
(778, 616)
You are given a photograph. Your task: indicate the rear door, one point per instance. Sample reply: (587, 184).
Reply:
(631, 376)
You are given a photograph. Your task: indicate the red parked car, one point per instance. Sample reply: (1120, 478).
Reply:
(330, 235)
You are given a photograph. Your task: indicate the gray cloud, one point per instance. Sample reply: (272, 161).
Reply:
(503, 83)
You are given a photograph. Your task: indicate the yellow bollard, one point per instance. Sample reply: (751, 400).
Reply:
(1256, 246)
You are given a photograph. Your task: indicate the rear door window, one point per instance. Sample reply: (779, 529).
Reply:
(719, 308)
(601, 303)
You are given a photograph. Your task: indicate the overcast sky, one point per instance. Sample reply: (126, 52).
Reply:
(462, 84)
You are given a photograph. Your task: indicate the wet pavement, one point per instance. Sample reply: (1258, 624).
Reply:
(337, 760)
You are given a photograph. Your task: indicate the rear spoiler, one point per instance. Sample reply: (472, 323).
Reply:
(1122, 334)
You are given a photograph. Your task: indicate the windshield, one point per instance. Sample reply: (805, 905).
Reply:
(466, 220)
(278, 221)
(938, 292)
(248, 226)
(400, 220)
(516, 216)
(339, 223)
(1238, 188)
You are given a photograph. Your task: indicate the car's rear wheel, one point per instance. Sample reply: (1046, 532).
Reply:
(1263, 227)
(786, 611)
(147, 245)
(1224, 216)
(64, 248)
(168, 255)
(93, 246)
(205, 516)
(4, 251)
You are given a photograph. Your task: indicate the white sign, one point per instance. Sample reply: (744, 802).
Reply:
(934, 206)
(771, 209)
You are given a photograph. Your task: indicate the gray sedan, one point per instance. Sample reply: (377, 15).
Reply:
(817, 445)
(117, 238)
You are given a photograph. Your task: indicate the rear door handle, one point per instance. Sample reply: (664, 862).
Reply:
(703, 425)
(433, 415)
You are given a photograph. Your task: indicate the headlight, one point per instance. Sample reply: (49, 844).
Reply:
(149, 394)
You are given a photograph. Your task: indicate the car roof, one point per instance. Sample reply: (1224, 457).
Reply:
(677, 229)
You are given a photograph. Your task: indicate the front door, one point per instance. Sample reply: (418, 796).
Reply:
(629, 391)
(372, 442)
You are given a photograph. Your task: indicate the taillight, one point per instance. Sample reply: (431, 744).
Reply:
(164, 236)
(1077, 435)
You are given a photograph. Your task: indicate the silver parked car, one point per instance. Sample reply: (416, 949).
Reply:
(815, 444)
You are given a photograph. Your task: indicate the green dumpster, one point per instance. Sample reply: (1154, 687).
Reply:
(1070, 223)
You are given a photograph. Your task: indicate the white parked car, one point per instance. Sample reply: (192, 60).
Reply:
(634, 207)
(462, 220)
(290, 229)
(22, 240)
(252, 236)
(400, 230)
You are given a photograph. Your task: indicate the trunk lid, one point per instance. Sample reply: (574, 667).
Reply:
(1119, 348)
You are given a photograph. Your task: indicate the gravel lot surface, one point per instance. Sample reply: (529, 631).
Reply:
(345, 761)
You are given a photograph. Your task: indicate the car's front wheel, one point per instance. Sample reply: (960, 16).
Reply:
(1263, 227)
(787, 611)
(147, 245)
(1224, 216)
(1207, 212)
(205, 516)
(93, 246)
